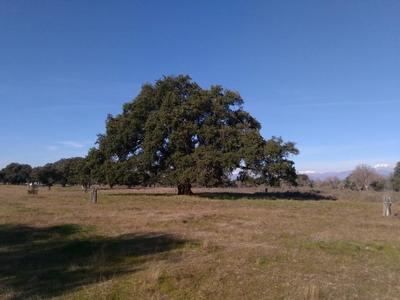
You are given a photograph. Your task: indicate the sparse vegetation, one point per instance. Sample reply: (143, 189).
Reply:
(152, 244)
(363, 176)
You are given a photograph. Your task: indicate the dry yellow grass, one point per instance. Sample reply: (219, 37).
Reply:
(151, 244)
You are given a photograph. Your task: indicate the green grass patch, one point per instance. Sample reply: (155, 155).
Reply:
(353, 248)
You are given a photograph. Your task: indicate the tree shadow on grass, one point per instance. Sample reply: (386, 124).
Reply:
(296, 195)
(46, 262)
(288, 195)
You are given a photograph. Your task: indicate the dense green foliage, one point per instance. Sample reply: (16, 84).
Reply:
(67, 171)
(177, 133)
(47, 175)
(16, 173)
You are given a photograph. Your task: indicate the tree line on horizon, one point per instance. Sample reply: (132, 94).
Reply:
(76, 171)
(174, 133)
(66, 171)
(362, 178)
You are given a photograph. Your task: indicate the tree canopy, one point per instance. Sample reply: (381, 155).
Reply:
(175, 132)
(16, 173)
(65, 171)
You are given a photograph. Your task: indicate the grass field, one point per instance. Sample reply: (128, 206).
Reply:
(151, 244)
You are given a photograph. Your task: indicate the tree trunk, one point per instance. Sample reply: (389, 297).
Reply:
(185, 189)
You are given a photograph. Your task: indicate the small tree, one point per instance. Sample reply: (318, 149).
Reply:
(47, 175)
(69, 170)
(333, 182)
(396, 178)
(16, 173)
(303, 180)
(363, 176)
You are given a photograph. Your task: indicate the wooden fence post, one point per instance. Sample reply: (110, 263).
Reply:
(93, 195)
(387, 206)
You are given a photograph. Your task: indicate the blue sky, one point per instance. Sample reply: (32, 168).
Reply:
(325, 74)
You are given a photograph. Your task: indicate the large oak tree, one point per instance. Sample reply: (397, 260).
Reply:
(175, 132)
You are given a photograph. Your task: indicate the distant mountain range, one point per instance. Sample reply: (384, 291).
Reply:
(382, 169)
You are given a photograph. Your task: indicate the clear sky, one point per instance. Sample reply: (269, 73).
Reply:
(325, 74)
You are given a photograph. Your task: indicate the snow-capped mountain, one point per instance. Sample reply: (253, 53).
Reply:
(382, 169)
